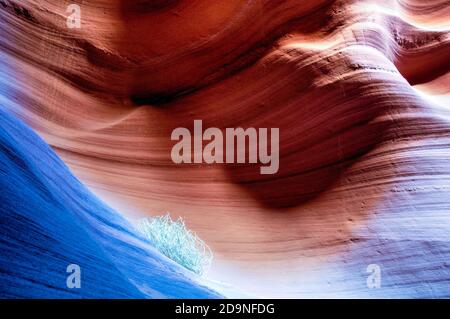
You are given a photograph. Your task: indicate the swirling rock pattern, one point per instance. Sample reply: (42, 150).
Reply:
(359, 90)
(50, 222)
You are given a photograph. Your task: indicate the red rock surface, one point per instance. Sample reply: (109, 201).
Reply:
(360, 92)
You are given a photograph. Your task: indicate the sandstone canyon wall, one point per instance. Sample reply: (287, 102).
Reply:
(359, 89)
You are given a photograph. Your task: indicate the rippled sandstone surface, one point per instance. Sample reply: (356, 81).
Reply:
(360, 92)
